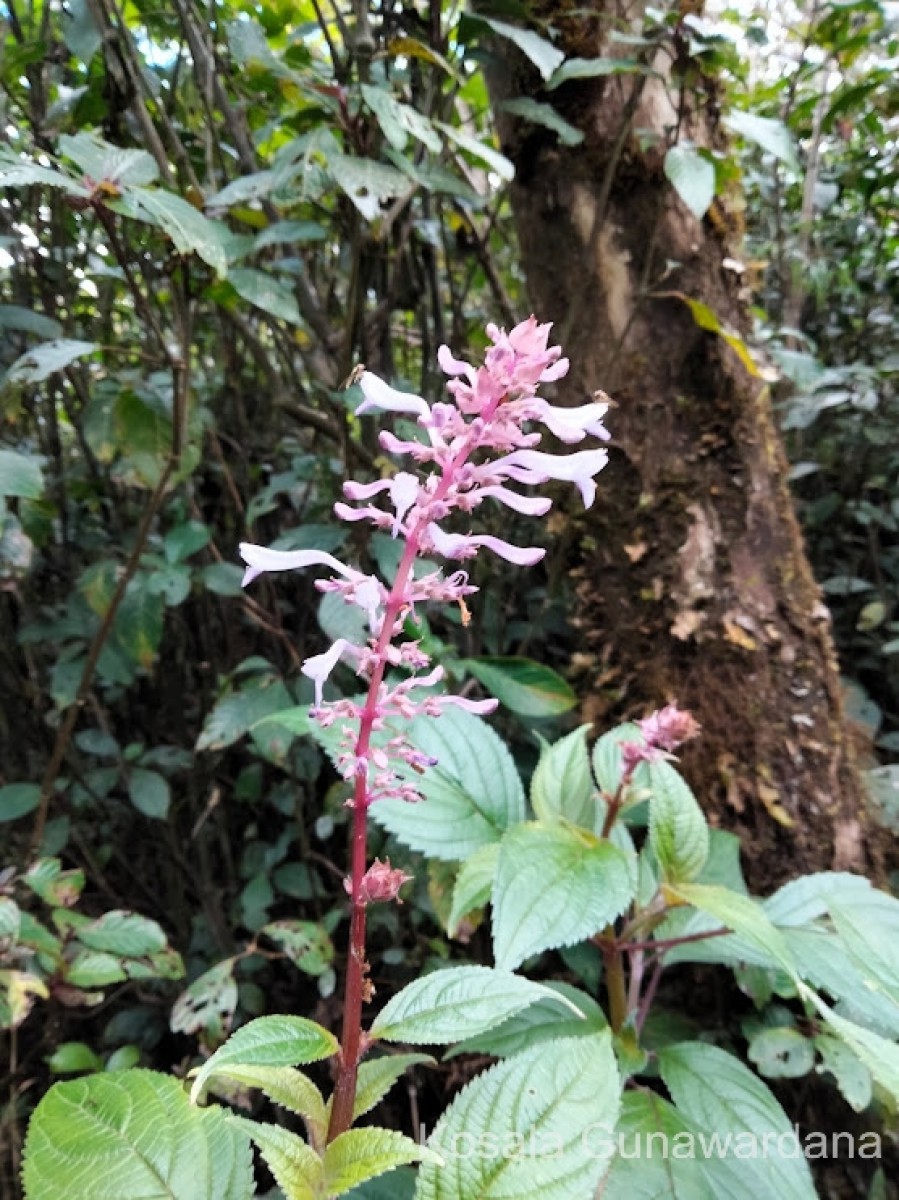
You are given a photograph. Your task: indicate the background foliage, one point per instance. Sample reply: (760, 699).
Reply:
(210, 216)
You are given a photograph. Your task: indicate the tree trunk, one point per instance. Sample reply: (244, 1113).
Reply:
(694, 582)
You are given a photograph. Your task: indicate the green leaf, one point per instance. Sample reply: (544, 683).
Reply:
(280, 1041)
(741, 914)
(562, 785)
(361, 1154)
(678, 830)
(554, 887)
(378, 1075)
(543, 54)
(72, 1057)
(139, 622)
(543, 1021)
(693, 177)
(105, 163)
(305, 943)
(235, 714)
(297, 1169)
(18, 800)
(266, 292)
(190, 231)
(125, 933)
(593, 68)
(40, 362)
(852, 1076)
(399, 121)
(718, 1094)
(282, 1085)
(657, 1173)
(770, 134)
(20, 475)
(95, 969)
(10, 920)
(781, 1053)
(545, 115)
(608, 766)
(367, 183)
(185, 540)
(878, 1054)
(472, 796)
(223, 578)
(208, 1003)
(15, 172)
(473, 885)
(868, 924)
(47, 879)
(456, 1003)
(495, 161)
(556, 1103)
(526, 687)
(149, 792)
(132, 1134)
(26, 320)
(290, 233)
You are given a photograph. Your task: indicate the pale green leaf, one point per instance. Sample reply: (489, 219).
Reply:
(545, 115)
(208, 1003)
(562, 785)
(719, 1095)
(472, 796)
(235, 714)
(40, 362)
(494, 160)
(20, 475)
(545, 1020)
(361, 1154)
(190, 231)
(554, 887)
(767, 132)
(651, 1122)
(282, 1085)
(868, 923)
(557, 1102)
(102, 162)
(543, 54)
(28, 320)
(594, 68)
(279, 1041)
(296, 1167)
(125, 933)
(132, 1134)
(456, 1003)
(741, 914)
(266, 292)
(878, 1054)
(678, 830)
(693, 177)
(608, 766)
(781, 1053)
(400, 121)
(473, 885)
(378, 1075)
(852, 1076)
(149, 792)
(16, 172)
(524, 686)
(367, 183)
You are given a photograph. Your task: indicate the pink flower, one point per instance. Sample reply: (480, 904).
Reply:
(380, 882)
(379, 394)
(533, 466)
(456, 545)
(663, 732)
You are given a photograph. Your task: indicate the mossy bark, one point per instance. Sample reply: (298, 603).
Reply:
(694, 584)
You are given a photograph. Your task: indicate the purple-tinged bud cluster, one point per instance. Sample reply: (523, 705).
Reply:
(475, 446)
(663, 732)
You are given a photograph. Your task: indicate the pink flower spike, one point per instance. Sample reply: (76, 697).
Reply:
(457, 545)
(379, 394)
(364, 491)
(260, 559)
(319, 668)
(454, 366)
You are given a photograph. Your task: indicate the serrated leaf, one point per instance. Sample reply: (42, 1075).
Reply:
(266, 292)
(543, 54)
(280, 1041)
(125, 933)
(768, 133)
(527, 688)
(456, 1003)
(40, 362)
(297, 1168)
(545, 115)
(473, 885)
(718, 1094)
(558, 1103)
(378, 1075)
(132, 1133)
(878, 1054)
(692, 176)
(18, 800)
(20, 475)
(741, 914)
(562, 785)
(361, 1154)
(554, 887)
(16, 172)
(285, 1086)
(149, 792)
(646, 1121)
(543, 1021)
(471, 797)
(678, 830)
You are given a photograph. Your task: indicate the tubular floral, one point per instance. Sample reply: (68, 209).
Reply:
(475, 446)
